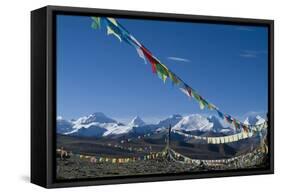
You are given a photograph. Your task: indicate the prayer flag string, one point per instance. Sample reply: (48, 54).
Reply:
(116, 29)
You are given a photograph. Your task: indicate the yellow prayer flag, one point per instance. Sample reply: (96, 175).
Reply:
(112, 20)
(211, 106)
(110, 31)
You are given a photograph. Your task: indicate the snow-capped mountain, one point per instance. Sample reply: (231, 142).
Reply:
(99, 129)
(97, 117)
(100, 125)
(63, 126)
(171, 120)
(137, 122)
(217, 124)
(160, 126)
(88, 131)
(254, 120)
(194, 122)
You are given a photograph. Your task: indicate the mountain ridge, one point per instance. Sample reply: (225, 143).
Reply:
(99, 125)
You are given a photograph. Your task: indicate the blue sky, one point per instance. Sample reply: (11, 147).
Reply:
(226, 64)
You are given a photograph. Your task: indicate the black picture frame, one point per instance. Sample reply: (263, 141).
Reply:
(43, 95)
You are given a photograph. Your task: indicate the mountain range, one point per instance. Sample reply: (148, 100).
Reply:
(100, 125)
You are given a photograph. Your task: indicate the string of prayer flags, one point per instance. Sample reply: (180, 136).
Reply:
(112, 28)
(104, 159)
(116, 29)
(224, 139)
(174, 155)
(123, 34)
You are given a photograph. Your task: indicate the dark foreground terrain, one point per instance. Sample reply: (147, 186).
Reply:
(74, 167)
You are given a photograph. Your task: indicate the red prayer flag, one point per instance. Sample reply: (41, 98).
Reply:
(150, 58)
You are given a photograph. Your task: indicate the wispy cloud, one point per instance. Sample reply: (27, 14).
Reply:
(179, 59)
(248, 55)
(251, 53)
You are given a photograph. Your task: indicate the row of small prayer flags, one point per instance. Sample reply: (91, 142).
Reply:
(180, 157)
(229, 138)
(203, 103)
(175, 155)
(225, 139)
(116, 29)
(100, 159)
(188, 160)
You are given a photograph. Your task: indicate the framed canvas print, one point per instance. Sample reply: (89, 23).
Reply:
(125, 96)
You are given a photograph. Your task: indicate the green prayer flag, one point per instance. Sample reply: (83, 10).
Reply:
(204, 102)
(162, 71)
(173, 78)
(96, 22)
(161, 76)
(196, 96)
(199, 100)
